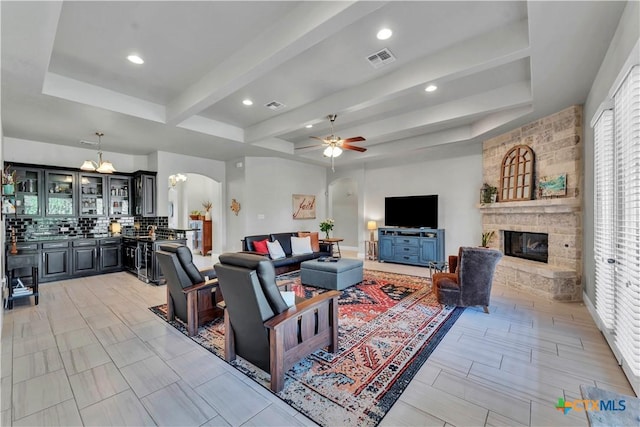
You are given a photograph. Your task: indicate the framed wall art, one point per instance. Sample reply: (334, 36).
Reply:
(304, 206)
(553, 186)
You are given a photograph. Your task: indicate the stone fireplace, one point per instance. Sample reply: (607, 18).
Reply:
(522, 226)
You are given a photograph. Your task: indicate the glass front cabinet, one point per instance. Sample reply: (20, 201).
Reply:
(28, 192)
(92, 194)
(59, 195)
(119, 201)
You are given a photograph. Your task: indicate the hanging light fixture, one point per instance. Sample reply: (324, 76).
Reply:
(102, 166)
(332, 151)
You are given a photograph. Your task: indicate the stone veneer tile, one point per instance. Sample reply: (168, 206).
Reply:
(556, 141)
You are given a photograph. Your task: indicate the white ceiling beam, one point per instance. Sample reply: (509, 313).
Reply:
(500, 118)
(302, 28)
(484, 52)
(403, 125)
(85, 93)
(276, 144)
(213, 127)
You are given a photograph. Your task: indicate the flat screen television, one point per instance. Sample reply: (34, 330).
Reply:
(411, 211)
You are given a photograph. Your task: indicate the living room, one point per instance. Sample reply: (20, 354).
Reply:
(449, 162)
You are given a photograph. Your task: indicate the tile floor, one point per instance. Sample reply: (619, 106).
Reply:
(91, 353)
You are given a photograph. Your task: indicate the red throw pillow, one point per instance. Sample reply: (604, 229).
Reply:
(260, 246)
(315, 244)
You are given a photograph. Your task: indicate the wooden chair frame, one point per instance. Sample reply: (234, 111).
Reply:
(294, 334)
(201, 308)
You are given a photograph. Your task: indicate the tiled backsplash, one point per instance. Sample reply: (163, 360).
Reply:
(29, 229)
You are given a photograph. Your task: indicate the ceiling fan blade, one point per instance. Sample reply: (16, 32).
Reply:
(354, 139)
(353, 147)
(317, 137)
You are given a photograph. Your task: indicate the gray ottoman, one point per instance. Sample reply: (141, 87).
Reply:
(331, 275)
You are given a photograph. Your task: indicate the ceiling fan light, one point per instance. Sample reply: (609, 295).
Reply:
(106, 167)
(332, 151)
(88, 165)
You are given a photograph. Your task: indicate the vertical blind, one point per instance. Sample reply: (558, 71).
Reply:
(627, 271)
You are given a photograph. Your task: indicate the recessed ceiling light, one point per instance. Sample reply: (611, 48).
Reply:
(309, 126)
(135, 59)
(430, 88)
(247, 102)
(384, 34)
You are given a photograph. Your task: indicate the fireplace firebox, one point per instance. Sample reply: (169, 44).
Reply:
(531, 246)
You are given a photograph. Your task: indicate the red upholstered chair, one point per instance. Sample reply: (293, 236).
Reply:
(470, 278)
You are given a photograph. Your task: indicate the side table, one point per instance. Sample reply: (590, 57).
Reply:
(371, 249)
(23, 277)
(437, 267)
(334, 240)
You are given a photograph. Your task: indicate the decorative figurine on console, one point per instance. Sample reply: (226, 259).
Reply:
(14, 247)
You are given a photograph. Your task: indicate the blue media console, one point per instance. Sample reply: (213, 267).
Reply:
(415, 246)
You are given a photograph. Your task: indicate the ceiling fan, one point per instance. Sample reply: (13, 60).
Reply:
(334, 144)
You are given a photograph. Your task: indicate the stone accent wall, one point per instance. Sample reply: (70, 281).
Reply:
(556, 141)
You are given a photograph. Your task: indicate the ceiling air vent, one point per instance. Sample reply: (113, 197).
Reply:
(381, 58)
(275, 105)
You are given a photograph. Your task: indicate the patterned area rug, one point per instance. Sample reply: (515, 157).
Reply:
(388, 326)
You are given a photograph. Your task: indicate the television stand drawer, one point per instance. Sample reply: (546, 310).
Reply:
(406, 241)
(402, 250)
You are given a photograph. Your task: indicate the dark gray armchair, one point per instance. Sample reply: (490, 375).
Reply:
(470, 283)
(261, 328)
(189, 296)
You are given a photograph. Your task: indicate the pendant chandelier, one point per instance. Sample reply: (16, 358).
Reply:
(102, 166)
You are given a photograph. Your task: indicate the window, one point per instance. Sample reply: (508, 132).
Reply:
(516, 176)
(617, 222)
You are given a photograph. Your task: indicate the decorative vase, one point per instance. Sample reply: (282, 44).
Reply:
(207, 216)
(8, 189)
(326, 234)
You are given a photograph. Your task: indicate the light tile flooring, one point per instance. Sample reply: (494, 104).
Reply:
(92, 353)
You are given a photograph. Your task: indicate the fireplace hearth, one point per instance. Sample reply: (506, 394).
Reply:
(522, 244)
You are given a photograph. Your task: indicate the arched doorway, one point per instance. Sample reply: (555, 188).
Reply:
(187, 196)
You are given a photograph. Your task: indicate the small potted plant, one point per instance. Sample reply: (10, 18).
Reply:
(486, 238)
(326, 226)
(207, 209)
(489, 193)
(8, 181)
(194, 215)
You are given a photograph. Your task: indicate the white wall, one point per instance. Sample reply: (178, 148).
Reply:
(455, 176)
(235, 185)
(625, 38)
(343, 208)
(266, 188)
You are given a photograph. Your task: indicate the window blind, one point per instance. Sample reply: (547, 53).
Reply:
(604, 249)
(627, 219)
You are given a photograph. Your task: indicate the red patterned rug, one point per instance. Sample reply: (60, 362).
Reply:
(388, 326)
